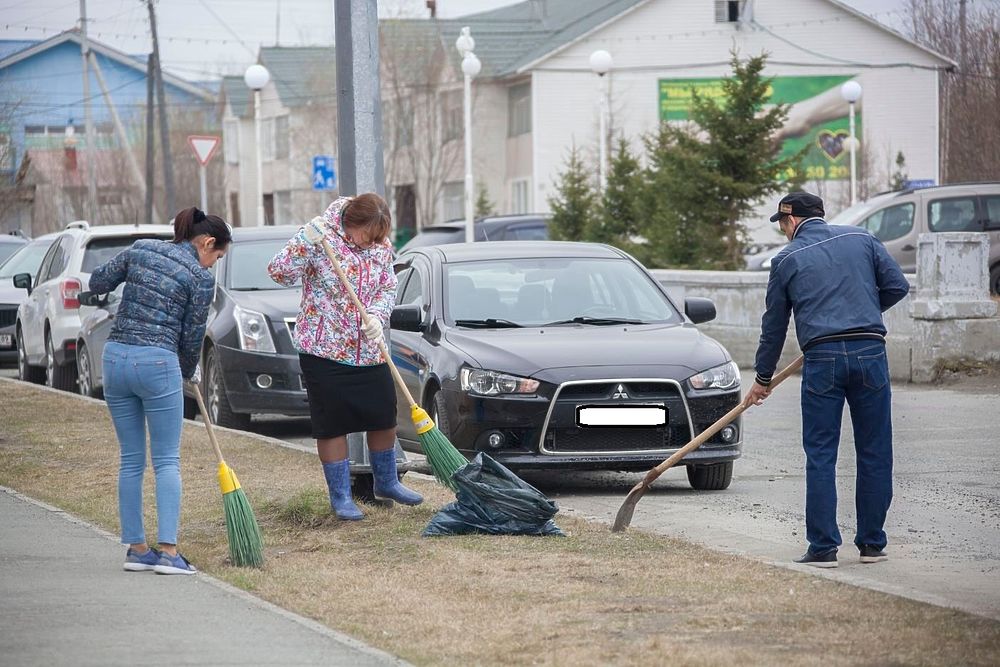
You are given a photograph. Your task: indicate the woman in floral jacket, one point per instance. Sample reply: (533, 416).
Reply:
(349, 384)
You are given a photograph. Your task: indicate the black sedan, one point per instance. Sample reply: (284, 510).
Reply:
(561, 355)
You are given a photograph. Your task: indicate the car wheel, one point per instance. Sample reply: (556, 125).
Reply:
(714, 477)
(995, 279)
(439, 414)
(219, 409)
(25, 371)
(363, 487)
(84, 372)
(56, 376)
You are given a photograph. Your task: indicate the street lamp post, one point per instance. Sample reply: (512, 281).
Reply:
(600, 63)
(470, 68)
(256, 77)
(851, 92)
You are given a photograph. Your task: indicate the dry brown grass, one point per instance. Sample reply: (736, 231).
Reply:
(591, 598)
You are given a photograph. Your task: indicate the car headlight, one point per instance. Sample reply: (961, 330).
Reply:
(494, 383)
(726, 376)
(255, 334)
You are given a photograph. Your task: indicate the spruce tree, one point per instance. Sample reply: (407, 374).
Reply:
(484, 206)
(574, 202)
(617, 219)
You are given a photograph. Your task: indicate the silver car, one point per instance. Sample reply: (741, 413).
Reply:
(48, 319)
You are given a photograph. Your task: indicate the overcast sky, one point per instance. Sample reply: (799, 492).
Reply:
(201, 39)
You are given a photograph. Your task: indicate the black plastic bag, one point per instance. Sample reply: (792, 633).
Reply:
(493, 500)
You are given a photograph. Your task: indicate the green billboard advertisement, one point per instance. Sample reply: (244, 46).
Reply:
(817, 117)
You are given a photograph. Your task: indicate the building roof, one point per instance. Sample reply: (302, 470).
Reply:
(301, 74)
(237, 94)
(9, 46)
(132, 62)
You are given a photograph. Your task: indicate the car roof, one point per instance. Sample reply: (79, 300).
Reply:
(463, 252)
(120, 230)
(264, 233)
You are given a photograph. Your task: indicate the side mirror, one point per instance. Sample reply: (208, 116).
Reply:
(93, 299)
(409, 317)
(23, 281)
(699, 309)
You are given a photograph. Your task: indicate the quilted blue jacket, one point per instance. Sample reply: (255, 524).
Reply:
(166, 297)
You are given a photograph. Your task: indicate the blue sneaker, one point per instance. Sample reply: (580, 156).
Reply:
(136, 562)
(174, 565)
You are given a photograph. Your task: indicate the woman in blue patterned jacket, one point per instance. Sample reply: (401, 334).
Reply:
(154, 344)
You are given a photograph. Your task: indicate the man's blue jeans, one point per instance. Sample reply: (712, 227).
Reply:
(142, 385)
(858, 372)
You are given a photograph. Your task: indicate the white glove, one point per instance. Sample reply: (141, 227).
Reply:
(373, 329)
(315, 230)
(196, 376)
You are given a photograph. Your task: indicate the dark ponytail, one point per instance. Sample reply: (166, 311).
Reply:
(192, 222)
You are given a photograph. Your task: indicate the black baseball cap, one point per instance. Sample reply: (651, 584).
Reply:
(801, 204)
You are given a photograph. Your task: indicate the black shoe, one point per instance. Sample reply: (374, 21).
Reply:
(870, 554)
(826, 559)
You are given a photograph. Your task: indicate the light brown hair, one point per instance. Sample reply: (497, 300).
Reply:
(370, 212)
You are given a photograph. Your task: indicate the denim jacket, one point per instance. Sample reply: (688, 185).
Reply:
(166, 297)
(836, 279)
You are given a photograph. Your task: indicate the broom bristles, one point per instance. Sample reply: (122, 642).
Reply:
(246, 549)
(442, 456)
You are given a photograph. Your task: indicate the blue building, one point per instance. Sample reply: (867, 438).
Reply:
(42, 128)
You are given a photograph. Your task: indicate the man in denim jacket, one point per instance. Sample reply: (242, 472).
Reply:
(837, 280)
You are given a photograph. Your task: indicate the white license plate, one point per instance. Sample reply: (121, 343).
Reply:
(6, 340)
(621, 415)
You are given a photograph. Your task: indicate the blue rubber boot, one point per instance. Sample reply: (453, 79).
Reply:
(338, 479)
(387, 481)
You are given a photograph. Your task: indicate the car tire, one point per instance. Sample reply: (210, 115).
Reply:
(56, 376)
(25, 371)
(439, 414)
(714, 477)
(363, 489)
(995, 279)
(84, 372)
(190, 408)
(216, 398)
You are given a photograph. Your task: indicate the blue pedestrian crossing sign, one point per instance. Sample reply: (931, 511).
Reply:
(324, 174)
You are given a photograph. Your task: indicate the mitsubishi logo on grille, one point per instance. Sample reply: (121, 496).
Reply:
(619, 392)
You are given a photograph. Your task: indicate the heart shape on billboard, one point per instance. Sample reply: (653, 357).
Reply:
(832, 143)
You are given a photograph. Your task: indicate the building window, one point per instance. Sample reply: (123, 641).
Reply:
(453, 201)
(231, 140)
(281, 138)
(283, 207)
(519, 110)
(728, 11)
(451, 116)
(404, 122)
(519, 196)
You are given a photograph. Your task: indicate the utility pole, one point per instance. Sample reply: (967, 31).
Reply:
(962, 62)
(168, 166)
(359, 109)
(88, 121)
(150, 145)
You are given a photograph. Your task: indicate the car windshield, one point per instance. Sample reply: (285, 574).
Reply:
(8, 249)
(549, 291)
(248, 262)
(435, 236)
(27, 259)
(850, 216)
(101, 249)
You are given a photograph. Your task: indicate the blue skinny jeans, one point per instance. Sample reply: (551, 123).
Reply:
(858, 372)
(142, 386)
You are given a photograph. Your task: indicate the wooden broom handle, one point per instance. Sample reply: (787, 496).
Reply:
(716, 427)
(364, 318)
(208, 422)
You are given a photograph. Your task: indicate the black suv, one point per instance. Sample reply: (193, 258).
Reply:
(530, 227)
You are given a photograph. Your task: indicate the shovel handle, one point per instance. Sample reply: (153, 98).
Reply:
(208, 422)
(724, 421)
(332, 256)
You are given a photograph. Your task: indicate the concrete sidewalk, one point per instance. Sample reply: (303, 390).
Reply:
(64, 600)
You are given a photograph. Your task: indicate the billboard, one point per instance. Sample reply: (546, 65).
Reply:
(817, 117)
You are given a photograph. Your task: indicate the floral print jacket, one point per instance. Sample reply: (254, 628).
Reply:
(328, 324)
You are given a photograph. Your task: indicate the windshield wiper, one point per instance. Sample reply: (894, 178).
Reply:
(596, 321)
(488, 323)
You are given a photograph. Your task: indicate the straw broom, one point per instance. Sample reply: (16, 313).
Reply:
(245, 546)
(442, 456)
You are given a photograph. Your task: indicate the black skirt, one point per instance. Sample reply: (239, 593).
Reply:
(348, 399)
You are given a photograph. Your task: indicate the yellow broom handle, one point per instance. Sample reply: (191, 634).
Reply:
(208, 422)
(364, 318)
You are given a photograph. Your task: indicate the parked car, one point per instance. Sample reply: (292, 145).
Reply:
(493, 228)
(48, 319)
(25, 259)
(898, 218)
(560, 355)
(9, 244)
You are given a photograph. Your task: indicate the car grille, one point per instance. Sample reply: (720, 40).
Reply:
(8, 315)
(563, 436)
